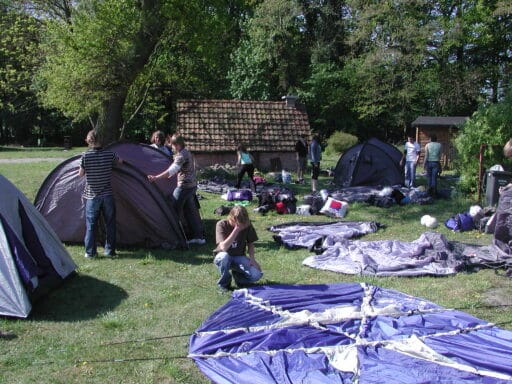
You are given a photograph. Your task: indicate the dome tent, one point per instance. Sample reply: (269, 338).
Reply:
(372, 163)
(32, 258)
(145, 214)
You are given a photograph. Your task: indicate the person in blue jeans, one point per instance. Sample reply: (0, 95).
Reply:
(185, 199)
(411, 156)
(235, 238)
(96, 165)
(432, 164)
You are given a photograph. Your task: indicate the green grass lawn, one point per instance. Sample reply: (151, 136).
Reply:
(128, 320)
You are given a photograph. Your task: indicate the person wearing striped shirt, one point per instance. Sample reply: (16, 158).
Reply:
(96, 165)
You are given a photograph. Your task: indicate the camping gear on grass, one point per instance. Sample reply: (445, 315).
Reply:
(32, 258)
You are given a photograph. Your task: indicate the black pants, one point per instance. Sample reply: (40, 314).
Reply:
(249, 168)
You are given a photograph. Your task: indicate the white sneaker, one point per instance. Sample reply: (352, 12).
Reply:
(196, 241)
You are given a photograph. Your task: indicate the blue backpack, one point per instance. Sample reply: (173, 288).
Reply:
(460, 222)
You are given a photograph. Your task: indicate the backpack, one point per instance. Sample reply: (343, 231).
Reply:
(239, 194)
(460, 222)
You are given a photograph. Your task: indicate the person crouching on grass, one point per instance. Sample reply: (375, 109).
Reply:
(234, 236)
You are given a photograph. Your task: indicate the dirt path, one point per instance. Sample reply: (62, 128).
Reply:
(32, 160)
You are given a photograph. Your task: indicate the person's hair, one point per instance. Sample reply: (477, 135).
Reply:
(239, 215)
(177, 139)
(93, 138)
(241, 148)
(433, 137)
(158, 138)
(507, 149)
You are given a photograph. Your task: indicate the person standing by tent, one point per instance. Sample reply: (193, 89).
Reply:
(301, 150)
(432, 164)
(315, 155)
(411, 156)
(235, 238)
(185, 199)
(96, 165)
(246, 163)
(158, 142)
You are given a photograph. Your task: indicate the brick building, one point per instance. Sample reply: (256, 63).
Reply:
(213, 129)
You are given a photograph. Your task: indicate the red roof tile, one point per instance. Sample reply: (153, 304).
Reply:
(220, 125)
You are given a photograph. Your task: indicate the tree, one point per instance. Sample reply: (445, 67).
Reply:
(92, 61)
(492, 126)
(270, 59)
(19, 56)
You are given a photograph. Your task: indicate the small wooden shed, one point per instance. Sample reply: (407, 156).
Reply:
(445, 128)
(268, 129)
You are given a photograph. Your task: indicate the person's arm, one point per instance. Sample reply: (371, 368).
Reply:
(238, 158)
(169, 172)
(81, 171)
(250, 252)
(426, 156)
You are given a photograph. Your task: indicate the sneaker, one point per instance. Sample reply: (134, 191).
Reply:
(87, 256)
(196, 241)
(223, 290)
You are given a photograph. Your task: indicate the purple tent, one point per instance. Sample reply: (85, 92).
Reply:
(145, 215)
(32, 258)
(346, 333)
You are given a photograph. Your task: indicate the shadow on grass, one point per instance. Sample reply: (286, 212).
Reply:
(80, 298)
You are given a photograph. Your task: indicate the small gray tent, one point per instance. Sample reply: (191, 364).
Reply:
(372, 163)
(32, 258)
(145, 214)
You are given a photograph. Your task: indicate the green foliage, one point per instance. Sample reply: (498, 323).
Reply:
(89, 60)
(339, 142)
(268, 62)
(490, 126)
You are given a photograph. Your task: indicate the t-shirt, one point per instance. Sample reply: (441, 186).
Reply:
(301, 148)
(245, 158)
(239, 245)
(98, 163)
(434, 151)
(411, 151)
(187, 172)
(162, 148)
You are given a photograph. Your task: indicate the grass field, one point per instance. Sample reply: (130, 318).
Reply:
(128, 320)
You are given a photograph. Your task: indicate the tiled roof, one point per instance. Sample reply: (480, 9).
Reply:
(436, 121)
(220, 125)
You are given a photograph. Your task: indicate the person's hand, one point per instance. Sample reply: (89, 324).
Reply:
(241, 227)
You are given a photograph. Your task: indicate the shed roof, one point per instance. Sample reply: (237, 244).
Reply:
(220, 125)
(439, 121)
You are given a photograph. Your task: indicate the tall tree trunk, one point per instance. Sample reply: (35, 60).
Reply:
(151, 28)
(111, 119)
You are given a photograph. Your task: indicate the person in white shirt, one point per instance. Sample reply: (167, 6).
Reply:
(411, 156)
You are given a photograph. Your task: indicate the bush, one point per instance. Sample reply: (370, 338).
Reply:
(490, 125)
(339, 142)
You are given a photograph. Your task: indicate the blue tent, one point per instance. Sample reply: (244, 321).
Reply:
(344, 333)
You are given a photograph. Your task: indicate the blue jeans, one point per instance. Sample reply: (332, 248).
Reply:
(188, 212)
(240, 266)
(410, 173)
(93, 208)
(432, 172)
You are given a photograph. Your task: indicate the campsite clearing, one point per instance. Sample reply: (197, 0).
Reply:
(129, 319)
